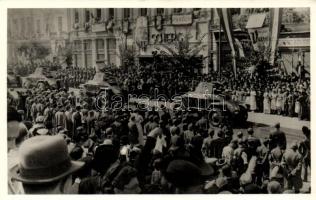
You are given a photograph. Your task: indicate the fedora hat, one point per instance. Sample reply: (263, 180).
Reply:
(44, 159)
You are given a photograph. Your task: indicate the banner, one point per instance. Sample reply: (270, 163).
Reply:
(240, 48)
(275, 25)
(141, 32)
(226, 20)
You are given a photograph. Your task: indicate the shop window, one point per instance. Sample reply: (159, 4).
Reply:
(100, 49)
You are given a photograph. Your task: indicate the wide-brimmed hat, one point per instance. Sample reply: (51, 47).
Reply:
(44, 159)
(183, 173)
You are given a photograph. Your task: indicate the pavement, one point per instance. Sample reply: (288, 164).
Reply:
(270, 120)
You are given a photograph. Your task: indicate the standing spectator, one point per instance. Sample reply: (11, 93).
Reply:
(266, 102)
(292, 161)
(50, 153)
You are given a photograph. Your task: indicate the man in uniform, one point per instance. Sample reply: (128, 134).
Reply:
(292, 161)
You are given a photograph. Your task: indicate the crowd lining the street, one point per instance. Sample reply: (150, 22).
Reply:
(135, 151)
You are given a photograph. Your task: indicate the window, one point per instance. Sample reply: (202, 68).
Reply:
(99, 15)
(160, 11)
(100, 49)
(112, 50)
(177, 10)
(111, 13)
(38, 26)
(143, 12)
(77, 53)
(22, 27)
(29, 26)
(76, 16)
(88, 53)
(87, 15)
(112, 44)
(60, 24)
(126, 13)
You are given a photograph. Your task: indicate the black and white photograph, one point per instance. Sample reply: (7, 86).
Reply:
(158, 100)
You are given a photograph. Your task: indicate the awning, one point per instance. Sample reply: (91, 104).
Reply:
(256, 21)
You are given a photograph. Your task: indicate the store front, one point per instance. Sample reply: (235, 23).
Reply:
(294, 48)
(170, 41)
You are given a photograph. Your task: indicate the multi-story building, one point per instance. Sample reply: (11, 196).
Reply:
(47, 27)
(104, 33)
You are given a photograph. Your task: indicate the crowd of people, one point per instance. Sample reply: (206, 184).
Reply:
(73, 77)
(270, 93)
(56, 145)
(59, 144)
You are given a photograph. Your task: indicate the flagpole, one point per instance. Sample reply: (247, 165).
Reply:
(220, 49)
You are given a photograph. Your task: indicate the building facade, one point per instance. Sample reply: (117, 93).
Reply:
(102, 34)
(46, 27)
(106, 34)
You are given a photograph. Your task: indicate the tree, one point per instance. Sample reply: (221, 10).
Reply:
(34, 50)
(184, 55)
(126, 53)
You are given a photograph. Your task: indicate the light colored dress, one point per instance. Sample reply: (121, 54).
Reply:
(266, 103)
(279, 101)
(297, 106)
(273, 100)
(252, 100)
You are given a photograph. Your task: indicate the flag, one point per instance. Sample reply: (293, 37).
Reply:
(226, 20)
(241, 52)
(275, 25)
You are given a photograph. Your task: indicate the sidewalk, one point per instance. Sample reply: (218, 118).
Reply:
(270, 120)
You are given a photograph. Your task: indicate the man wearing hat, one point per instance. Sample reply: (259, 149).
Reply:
(185, 176)
(45, 166)
(292, 161)
(39, 124)
(277, 137)
(240, 159)
(13, 124)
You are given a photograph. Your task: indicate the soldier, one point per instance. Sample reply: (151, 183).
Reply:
(240, 159)
(262, 171)
(304, 149)
(292, 162)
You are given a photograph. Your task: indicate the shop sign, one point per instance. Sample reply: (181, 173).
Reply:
(294, 42)
(98, 27)
(182, 19)
(259, 37)
(163, 38)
